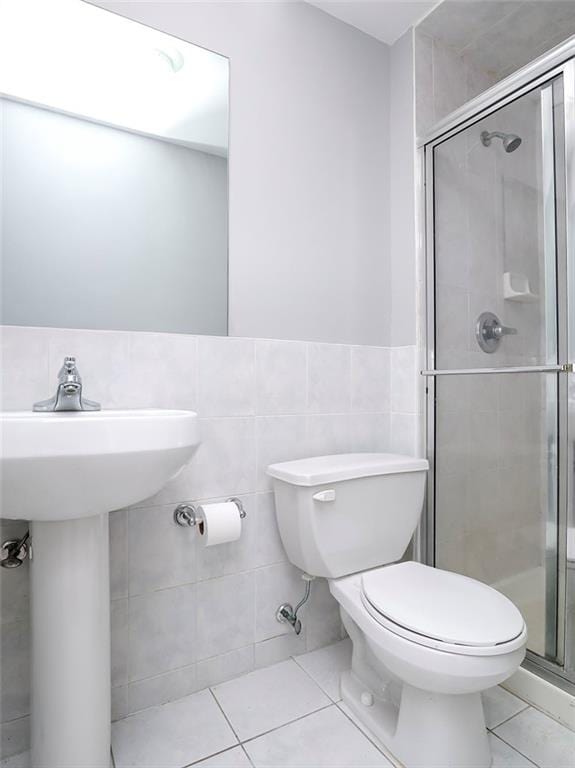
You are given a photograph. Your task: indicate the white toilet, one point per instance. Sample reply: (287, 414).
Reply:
(426, 642)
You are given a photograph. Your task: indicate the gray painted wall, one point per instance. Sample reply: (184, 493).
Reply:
(309, 166)
(403, 231)
(107, 229)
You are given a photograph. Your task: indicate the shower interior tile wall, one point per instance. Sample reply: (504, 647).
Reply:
(463, 48)
(445, 80)
(491, 431)
(185, 616)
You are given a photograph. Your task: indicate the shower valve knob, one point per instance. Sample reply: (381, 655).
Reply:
(489, 331)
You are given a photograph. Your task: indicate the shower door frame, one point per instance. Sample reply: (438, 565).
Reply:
(559, 62)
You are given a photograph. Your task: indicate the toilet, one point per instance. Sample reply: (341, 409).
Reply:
(426, 642)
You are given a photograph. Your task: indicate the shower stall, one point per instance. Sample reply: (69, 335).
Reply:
(500, 392)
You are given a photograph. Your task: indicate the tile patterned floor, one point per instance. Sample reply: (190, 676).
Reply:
(290, 716)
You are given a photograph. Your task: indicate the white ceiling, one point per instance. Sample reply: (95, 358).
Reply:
(385, 20)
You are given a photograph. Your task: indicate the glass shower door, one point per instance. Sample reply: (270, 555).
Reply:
(499, 395)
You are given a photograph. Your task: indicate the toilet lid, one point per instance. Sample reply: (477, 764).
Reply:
(442, 605)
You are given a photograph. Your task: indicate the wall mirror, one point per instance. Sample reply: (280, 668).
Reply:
(114, 205)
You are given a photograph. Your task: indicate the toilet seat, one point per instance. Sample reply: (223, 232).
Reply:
(442, 610)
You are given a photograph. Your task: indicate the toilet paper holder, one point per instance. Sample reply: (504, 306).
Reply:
(186, 514)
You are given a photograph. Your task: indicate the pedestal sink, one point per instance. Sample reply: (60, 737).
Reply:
(64, 472)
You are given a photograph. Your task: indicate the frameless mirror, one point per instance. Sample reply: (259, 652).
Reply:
(114, 197)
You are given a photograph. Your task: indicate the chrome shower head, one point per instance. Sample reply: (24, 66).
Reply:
(510, 140)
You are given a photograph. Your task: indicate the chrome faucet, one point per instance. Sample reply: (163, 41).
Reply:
(68, 396)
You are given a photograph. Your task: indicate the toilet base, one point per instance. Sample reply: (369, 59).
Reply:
(428, 730)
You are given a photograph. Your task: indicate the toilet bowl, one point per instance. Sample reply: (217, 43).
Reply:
(439, 718)
(426, 642)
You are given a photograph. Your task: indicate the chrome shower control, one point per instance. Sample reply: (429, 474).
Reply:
(489, 331)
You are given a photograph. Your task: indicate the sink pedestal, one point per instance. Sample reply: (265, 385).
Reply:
(64, 471)
(70, 613)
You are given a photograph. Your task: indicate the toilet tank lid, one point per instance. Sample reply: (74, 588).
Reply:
(345, 466)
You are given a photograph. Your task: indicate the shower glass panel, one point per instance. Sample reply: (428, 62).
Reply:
(496, 490)
(497, 235)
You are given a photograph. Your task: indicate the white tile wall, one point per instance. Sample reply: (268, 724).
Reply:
(183, 616)
(227, 380)
(281, 377)
(329, 378)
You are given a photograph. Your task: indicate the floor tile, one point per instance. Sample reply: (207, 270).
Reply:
(505, 756)
(231, 758)
(173, 735)
(543, 740)
(326, 665)
(324, 739)
(268, 698)
(351, 716)
(500, 705)
(16, 761)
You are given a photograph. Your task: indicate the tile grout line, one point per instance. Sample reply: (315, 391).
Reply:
(129, 605)
(306, 386)
(351, 381)
(283, 725)
(507, 719)
(209, 757)
(244, 750)
(370, 738)
(224, 714)
(519, 752)
(325, 693)
(255, 383)
(155, 590)
(20, 717)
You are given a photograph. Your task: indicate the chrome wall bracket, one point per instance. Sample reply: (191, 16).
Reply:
(15, 551)
(185, 514)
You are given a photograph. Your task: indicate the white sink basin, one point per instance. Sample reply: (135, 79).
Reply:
(60, 466)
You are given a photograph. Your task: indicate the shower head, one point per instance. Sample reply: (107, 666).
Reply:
(510, 140)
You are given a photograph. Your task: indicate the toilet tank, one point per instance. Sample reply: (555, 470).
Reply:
(346, 513)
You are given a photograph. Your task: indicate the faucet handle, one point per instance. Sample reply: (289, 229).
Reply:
(504, 330)
(69, 371)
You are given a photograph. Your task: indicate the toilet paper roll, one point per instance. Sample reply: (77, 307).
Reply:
(219, 523)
